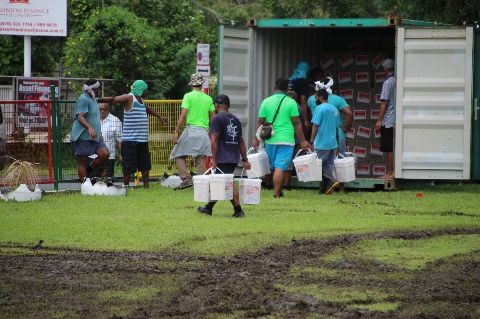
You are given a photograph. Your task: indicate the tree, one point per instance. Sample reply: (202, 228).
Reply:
(116, 44)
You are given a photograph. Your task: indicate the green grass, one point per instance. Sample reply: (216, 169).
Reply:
(160, 218)
(415, 254)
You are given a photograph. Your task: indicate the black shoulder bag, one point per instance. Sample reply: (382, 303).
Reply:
(267, 128)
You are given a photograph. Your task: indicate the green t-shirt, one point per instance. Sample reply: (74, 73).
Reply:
(198, 105)
(283, 126)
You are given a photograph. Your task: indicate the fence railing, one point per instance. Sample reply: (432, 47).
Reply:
(39, 131)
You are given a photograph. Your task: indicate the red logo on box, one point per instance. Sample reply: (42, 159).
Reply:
(326, 61)
(379, 170)
(377, 133)
(363, 97)
(345, 60)
(344, 77)
(363, 169)
(20, 1)
(364, 131)
(360, 151)
(375, 149)
(374, 113)
(377, 98)
(361, 60)
(361, 77)
(360, 114)
(350, 134)
(379, 77)
(347, 94)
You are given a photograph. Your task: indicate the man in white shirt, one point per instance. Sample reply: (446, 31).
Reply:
(112, 137)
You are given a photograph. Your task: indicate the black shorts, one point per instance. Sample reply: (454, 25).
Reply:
(227, 168)
(135, 156)
(386, 139)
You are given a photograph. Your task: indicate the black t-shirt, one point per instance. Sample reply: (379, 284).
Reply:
(229, 129)
(300, 86)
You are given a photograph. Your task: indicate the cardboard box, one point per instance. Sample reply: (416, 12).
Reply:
(379, 78)
(359, 114)
(377, 133)
(360, 151)
(346, 93)
(374, 114)
(364, 132)
(377, 98)
(345, 77)
(363, 169)
(327, 61)
(379, 170)
(362, 77)
(363, 96)
(361, 60)
(375, 149)
(350, 134)
(377, 61)
(345, 60)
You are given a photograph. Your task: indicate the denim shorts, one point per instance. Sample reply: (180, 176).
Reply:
(279, 155)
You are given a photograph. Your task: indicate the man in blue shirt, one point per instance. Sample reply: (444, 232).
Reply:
(324, 137)
(86, 136)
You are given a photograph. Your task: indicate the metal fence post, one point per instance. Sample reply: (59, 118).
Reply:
(54, 137)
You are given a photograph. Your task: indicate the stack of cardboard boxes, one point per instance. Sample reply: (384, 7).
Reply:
(358, 79)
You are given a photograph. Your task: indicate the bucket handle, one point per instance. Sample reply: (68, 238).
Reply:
(215, 169)
(347, 154)
(242, 174)
(300, 150)
(208, 170)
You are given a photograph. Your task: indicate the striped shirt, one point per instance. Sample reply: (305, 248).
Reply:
(388, 94)
(135, 123)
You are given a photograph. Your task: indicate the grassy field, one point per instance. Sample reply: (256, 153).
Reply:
(405, 254)
(160, 218)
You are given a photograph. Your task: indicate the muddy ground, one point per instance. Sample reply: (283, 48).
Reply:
(57, 283)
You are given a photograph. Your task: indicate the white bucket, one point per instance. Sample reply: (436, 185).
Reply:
(344, 169)
(249, 190)
(260, 165)
(308, 167)
(221, 186)
(201, 188)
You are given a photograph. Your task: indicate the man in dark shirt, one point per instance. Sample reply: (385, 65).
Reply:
(227, 147)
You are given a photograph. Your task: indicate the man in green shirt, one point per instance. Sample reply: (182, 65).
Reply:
(279, 147)
(197, 111)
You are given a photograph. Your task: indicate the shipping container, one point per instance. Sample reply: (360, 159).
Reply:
(437, 108)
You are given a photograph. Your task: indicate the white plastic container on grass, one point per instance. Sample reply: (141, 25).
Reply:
(249, 190)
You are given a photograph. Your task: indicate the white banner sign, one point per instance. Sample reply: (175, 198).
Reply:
(33, 17)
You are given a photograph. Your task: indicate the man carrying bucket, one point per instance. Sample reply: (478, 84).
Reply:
(227, 147)
(279, 147)
(325, 120)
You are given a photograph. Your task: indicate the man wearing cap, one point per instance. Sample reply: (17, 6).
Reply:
(86, 135)
(135, 152)
(279, 147)
(386, 118)
(228, 147)
(197, 111)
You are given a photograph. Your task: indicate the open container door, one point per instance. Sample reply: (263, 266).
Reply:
(433, 103)
(234, 73)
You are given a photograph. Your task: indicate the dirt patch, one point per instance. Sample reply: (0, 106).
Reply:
(289, 281)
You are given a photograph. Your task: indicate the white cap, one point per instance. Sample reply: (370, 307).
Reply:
(388, 64)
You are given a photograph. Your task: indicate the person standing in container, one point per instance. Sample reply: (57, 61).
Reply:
(135, 152)
(197, 111)
(279, 147)
(386, 118)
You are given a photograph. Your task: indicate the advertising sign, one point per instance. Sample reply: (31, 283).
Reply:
(33, 17)
(203, 53)
(34, 114)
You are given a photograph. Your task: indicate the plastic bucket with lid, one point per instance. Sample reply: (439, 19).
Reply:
(249, 190)
(344, 168)
(308, 167)
(221, 186)
(201, 188)
(260, 165)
